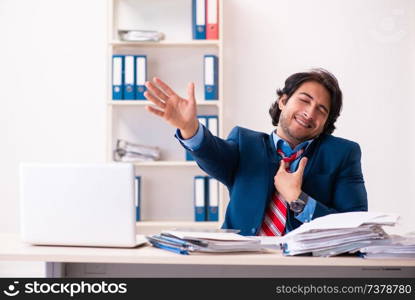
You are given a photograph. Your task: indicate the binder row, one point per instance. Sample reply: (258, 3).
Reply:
(129, 74)
(206, 198)
(211, 123)
(205, 15)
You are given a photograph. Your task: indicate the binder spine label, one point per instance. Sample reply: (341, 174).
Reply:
(117, 77)
(141, 76)
(129, 92)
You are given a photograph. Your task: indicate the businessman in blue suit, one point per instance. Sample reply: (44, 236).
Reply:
(300, 164)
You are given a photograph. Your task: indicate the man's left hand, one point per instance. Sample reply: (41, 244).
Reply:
(288, 184)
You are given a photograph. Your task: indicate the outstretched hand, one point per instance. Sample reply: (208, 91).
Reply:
(175, 110)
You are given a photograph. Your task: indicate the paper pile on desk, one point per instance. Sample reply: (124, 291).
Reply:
(338, 233)
(185, 242)
(395, 246)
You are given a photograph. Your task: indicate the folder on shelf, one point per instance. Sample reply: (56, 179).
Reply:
(212, 125)
(213, 200)
(202, 120)
(140, 76)
(211, 77)
(212, 14)
(129, 70)
(137, 183)
(199, 19)
(117, 76)
(200, 198)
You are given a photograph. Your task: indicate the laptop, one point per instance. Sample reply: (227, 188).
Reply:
(78, 205)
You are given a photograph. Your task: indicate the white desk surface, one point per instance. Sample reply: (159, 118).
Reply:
(12, 249)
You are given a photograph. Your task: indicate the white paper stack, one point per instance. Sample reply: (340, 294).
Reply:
(141, 35)
(129, 152)
(395, 246)
(337, 233)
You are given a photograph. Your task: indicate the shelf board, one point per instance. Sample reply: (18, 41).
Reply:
(145, 103)
(166, 164)
(166, 43)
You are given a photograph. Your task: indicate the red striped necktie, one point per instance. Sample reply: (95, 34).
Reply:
(276, 214)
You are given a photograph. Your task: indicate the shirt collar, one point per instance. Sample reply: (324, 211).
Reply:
(285, 147)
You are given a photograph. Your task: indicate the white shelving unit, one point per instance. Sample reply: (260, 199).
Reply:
(145, 103)
(167, 185)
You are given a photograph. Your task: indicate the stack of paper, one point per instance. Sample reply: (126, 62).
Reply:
(395, 246)
(337, 233)
(186, 242)
(141, 35)
(130, 152)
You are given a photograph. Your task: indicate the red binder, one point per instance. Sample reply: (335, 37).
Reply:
(212, 16)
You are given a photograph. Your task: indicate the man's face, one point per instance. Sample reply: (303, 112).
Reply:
(304, 115)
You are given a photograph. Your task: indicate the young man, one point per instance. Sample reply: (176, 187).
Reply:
(280, 180)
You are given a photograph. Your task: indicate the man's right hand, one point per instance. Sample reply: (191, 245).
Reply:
(176, 111)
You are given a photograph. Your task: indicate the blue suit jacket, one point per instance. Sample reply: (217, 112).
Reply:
(246, 162)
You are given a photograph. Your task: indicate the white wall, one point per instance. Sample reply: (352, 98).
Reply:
(367, 44)
(53, 76)
(52, 80)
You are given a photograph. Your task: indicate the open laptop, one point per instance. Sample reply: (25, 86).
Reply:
(78, 204)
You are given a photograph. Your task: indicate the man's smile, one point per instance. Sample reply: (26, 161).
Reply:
(303, 122)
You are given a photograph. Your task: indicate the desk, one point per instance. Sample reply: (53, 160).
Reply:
(147, 261)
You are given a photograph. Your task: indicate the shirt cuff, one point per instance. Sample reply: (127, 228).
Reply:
(307, 214)
(195, 141)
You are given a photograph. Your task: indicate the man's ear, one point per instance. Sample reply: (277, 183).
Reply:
(282, 101)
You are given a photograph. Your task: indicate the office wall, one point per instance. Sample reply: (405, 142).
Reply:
(368, 44)
(52, 78)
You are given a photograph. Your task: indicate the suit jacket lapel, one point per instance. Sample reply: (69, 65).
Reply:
(273, 165)
(311, 158)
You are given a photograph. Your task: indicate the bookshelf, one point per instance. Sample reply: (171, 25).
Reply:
(144, 103)
(167, 184)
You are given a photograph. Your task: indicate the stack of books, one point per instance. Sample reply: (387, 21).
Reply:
(129, 152)
(339, 233)
(186, 242)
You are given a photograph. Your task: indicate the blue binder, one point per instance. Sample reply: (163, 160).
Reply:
(202, 120)
(137, 182)
(117, 76)
(199, 19)
(213, 200)
(129, 77)
(213, 124)
(199, 198)
(189, 156)
(211, 77)
(140, 76)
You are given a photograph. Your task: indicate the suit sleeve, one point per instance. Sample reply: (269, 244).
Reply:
(349, 191)
(218, 157)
